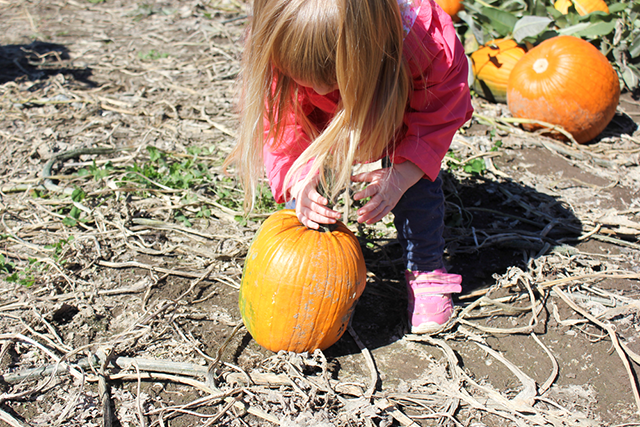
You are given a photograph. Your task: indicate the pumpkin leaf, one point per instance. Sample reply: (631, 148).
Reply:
(634, 6)
(547, 35)
(631, 76)
(472, 8)
(540, 9)
(634, 49)
(596, 15)
(530, 26)
(574, 29)
(502, 21)
(597, 29)
(555, 13)
(573, 17)
(616, 33)
(470, 42)
(617, 7)
(475, 29)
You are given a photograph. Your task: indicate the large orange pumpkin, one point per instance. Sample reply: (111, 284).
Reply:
(300, 286)
(452, 7)
(583, 7)
(492, 65)
(565, 81)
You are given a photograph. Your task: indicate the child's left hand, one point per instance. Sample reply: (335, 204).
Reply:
(386, 187)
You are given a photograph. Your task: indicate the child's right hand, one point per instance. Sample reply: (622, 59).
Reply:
(311, 207)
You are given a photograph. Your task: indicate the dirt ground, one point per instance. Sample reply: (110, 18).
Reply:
(123, 244)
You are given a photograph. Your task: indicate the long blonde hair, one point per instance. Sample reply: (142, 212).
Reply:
(356, 44)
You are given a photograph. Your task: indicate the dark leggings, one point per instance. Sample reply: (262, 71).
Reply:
(419, 220)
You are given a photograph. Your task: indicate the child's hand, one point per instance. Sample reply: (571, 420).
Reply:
(385, 189)
(311, 207)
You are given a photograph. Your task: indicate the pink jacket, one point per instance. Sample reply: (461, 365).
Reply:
(436, 110)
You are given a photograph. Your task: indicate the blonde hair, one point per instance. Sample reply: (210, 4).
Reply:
(354, 44)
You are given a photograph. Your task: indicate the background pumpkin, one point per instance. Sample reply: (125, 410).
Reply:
(452, 7)
(300, 286)
(492, 65)
(565, 81)
(583, 7)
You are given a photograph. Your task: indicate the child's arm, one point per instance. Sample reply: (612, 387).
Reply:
(440, 102)
(438, 106)
(386, 187)
(279, 156)
(278, 161)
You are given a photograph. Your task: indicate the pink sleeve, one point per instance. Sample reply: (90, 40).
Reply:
(278, 161)
(440, 107)
(279, 157)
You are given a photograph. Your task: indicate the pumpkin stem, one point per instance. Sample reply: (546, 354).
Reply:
(541, 65)
(326, 183)
(327, 228)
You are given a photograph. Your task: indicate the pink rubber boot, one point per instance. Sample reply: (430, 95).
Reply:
(430, 302)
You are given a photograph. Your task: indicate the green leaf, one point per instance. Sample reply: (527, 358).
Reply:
(69, 222)
(547, 35)
(182, 218)
(597, 29)
(475, 166)
(241, 220)
(154, 153)
(631, 77)
(555, 13)
(573, 18)
(204, 212)
(530, 26)
(475, 29)
(574, 29)
(6, 266)
(618, 7)
(540, 9)
(98, 173)
(194, 151)
(75, 213)
(503, 22)
(597, 15)
(78, 195)
(634, 49)
(28, 283)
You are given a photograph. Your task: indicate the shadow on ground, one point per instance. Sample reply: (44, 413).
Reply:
(490, 227)
(620, 124)
(37, 61)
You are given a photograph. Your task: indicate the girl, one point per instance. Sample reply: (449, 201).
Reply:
(330, 83)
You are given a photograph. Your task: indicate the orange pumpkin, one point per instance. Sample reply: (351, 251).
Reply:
(583, 7)
(451, 7)
(300, 286)
(565, 81)
(492, 65)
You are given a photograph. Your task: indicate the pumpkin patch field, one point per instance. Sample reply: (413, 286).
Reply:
(134, 292)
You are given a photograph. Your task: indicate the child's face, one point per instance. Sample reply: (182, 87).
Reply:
(320, 89)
